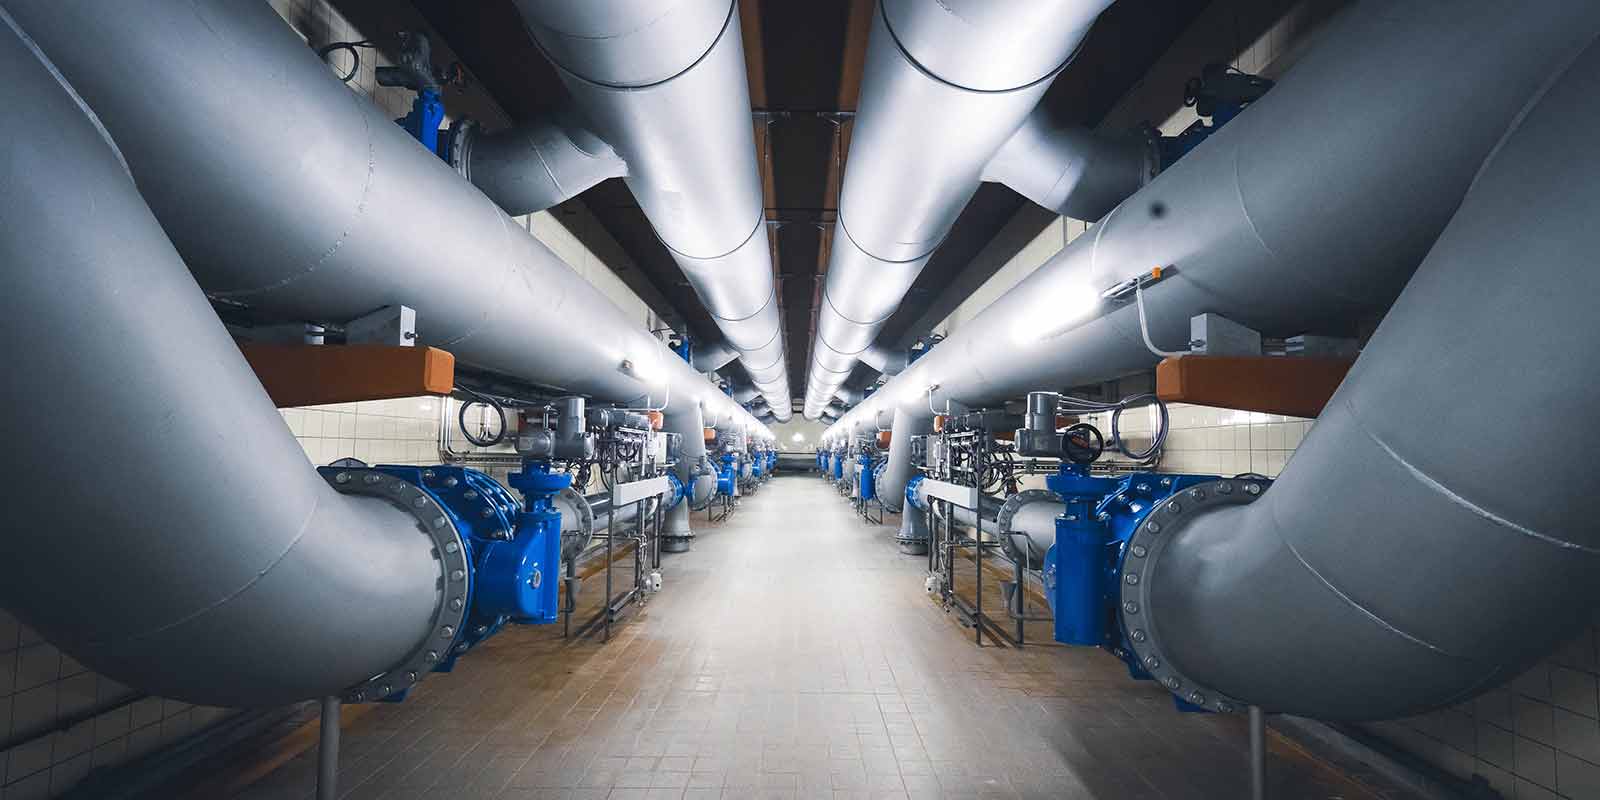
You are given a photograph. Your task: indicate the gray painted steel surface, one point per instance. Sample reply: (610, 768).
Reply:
(665, 85)
(191, 551)
(347, 215)
(1261, 220)
(1418, 549)
(949, 87)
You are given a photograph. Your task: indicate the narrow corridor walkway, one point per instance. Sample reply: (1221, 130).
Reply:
(792, 654)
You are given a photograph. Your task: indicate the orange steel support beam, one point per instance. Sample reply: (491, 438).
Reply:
(1298, 387)
(309, 375)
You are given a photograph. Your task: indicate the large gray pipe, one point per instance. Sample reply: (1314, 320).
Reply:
(663, 86)
(897, 470)
(1258, 220)
(947, 102)
(693, 468)
(347, 216)
(537, 165)
(1418, 550)
(192, 552)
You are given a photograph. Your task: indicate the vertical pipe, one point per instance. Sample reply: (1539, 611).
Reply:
(1258, 754)
(328, 751)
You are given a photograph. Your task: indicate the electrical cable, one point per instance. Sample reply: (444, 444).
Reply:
(1159, 439)
(353, 48)
(1144, 327)
(484, 400)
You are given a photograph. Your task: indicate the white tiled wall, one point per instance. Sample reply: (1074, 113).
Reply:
(40, 685)
(1537, 737)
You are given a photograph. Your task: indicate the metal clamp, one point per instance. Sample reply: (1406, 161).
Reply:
(1139, 567)
(448, 548)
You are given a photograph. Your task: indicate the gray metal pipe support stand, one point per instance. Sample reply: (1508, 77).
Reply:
(1258, 754)
(328, 751)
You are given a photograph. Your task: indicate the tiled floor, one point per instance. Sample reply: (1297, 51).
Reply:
(793, 654)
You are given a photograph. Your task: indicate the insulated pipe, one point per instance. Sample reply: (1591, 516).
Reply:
(349, 215)
(534, 166)
(693, 468)
(1088, 174)
(1418, 550)
(883, 360)
(1256, 221)
(947, 83)
(714, 356)
(898, 468)
(665, 85)
(193, 552)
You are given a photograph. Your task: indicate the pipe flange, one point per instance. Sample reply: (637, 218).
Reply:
(462, 133)
(1140, 565)
(1008, 511)
(572, 545)
(448, 548)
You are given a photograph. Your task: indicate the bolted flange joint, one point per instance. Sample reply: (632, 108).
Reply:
(454, 576)
(1141, 567)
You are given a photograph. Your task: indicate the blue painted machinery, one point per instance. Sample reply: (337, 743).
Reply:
(414, 70)
(1084, 569)
(728, 475)
(864, 482)
(512, 550)
(1219, 93)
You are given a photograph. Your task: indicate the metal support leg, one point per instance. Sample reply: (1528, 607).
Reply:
(1022, 601)
(638, 548)
(655, 544)
(1258, 754)
(611, 537)
(328, 751)
(572, 596)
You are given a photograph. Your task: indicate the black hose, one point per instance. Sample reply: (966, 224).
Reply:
(353, 48)
(485, 400)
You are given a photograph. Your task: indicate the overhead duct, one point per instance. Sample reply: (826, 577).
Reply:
(665, 93)
(1256, 223)
(713, 356)
(1418, 550)
(883, 360)
(193, 553)
(948, 101)
(534, 166)
(349, 216)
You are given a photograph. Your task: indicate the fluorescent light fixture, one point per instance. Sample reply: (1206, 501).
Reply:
(1054, 313)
